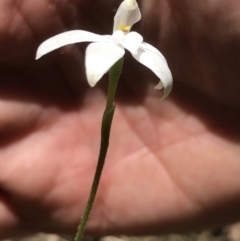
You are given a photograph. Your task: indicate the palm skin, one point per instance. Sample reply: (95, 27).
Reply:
(171, 166)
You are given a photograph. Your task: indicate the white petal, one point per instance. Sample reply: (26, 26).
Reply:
(100, 57)
(132, 42)
(151, 48)
(70, 37)
(110, 38)
(155, 61)
(127, 14)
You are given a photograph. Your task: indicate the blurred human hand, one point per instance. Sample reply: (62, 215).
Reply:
(172, 166)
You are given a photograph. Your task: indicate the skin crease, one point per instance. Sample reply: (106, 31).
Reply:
(172, 166)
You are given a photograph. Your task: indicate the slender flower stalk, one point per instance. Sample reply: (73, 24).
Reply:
(114, 75)
(104, 54)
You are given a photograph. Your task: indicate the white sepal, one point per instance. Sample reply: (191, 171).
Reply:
(100, 57)
(69, 37)
(152, 49)
(155, 61)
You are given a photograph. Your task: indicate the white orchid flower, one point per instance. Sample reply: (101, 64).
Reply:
(106, 50)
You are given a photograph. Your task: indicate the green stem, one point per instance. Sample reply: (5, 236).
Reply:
(114, 74)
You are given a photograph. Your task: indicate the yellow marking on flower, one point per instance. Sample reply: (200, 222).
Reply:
(130, 2)
(124, 28)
